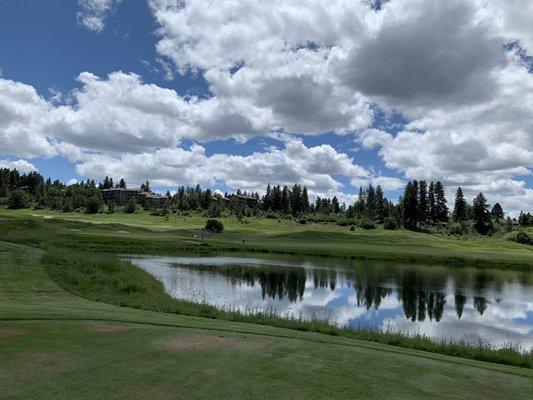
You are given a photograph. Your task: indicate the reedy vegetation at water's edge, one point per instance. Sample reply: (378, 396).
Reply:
(105, 278)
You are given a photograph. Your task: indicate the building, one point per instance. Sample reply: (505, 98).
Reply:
(240, 199)
(121, 196)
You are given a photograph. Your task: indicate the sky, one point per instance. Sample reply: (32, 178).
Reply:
(235, 94)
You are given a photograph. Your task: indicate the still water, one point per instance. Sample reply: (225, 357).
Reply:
(495, 306)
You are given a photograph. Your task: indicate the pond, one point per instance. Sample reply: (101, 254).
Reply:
(444, 303)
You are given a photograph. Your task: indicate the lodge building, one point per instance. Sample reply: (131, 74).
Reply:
(121, 196)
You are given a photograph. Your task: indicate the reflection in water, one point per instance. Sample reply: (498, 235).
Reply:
(445, 303)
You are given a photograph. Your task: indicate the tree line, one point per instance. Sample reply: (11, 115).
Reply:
(421, 206)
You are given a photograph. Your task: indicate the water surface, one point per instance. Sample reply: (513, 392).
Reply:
(495, 306)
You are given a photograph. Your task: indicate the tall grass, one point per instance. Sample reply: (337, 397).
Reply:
(106, 278)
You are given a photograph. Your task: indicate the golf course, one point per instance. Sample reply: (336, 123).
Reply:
(64, 336)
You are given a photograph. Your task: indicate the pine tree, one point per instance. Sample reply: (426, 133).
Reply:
(122, 183)
(441, 209)
(422, 202)
(410, 206)
(481, 214)
(335, 205)
(459, 209)
(497, 212)
(305, 200)
(380, 204)
(431, 203)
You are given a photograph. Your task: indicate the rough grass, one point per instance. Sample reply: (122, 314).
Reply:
(105, 278)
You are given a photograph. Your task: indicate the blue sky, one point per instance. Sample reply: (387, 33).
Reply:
(270, 93)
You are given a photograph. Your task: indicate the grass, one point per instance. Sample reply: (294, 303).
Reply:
(143, 233)
(56, 345)
(107, 279)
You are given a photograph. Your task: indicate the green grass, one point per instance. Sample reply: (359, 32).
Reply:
(55, 345)
(143, 233)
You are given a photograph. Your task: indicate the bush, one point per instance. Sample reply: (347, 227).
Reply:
(352, 228)
(93, 204)
(367, 224)
(18, 199)
(302, 221)
(390, 223)
(455, 228)
(214, 225)
(131, 206)
(520, 237)
(214, 210)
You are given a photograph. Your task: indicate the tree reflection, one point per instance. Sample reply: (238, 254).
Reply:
(420, 290)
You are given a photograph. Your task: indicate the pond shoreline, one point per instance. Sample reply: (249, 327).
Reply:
(107, 279)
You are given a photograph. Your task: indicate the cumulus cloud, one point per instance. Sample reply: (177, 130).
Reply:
(19, 165)
(93, 13)
(295, 163)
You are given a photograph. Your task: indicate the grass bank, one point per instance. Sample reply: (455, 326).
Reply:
(105, 278)
(147, 234)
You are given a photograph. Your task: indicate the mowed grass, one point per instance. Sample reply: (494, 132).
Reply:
(144, 233)
(55, 345)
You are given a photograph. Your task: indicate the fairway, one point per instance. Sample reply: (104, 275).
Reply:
(56, 345)
(152, 234)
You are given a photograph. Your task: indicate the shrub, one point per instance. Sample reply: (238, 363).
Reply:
(455, 228)
(302, 221)
(93, 204)
(18, 199)
(214, 225)
(214, 210)
(519, 237)
(367, 224)
(390, 223)
(131, 206)
(352, 228)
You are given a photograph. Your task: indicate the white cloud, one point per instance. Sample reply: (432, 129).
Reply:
(93, 13)
(296, 163)
(22, 166)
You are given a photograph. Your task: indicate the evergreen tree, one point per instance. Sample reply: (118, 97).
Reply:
(335, 205)
(497, 212)
(122, 183)
(459, 209)
(441, 209)
(380, 204)
(305, 200)
(410, 206)
(431, 203)
(481, 214)
(423, 206)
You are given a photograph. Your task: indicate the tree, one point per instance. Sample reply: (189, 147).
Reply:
(93, 204)
(214, 225)
(459, 209)
(18, 199)
(431, 203)
(441, 209)
(423, 205)
(497, 212)
(380, 204)
(410, 206)
(481, 214)
(305, 200)
(121, 184)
